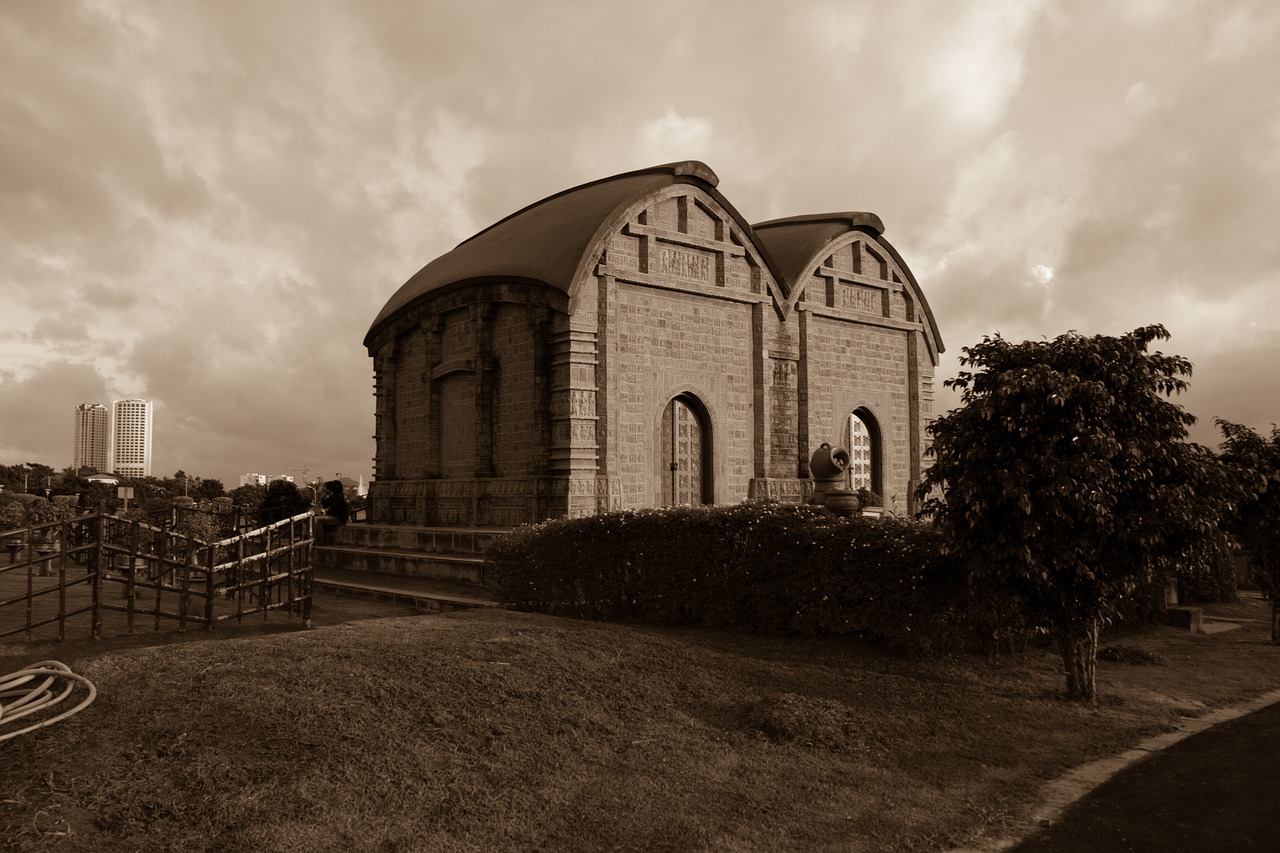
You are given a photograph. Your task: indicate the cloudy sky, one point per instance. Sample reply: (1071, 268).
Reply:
(205, 204)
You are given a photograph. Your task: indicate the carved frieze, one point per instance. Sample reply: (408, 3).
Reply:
(574, 404)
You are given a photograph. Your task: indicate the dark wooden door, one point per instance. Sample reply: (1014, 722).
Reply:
(682, 455)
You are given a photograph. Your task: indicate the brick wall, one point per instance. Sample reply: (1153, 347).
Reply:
(409, 363)
(516, 437)
(669, 343)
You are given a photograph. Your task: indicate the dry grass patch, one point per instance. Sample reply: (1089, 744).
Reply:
(492, 730)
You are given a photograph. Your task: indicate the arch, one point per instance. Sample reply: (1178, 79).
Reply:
(704, 195)
(686, 452)
(862, 437)
(798, 245)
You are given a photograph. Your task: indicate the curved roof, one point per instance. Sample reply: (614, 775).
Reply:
(545, 241)
(798, 243)
(792, 242)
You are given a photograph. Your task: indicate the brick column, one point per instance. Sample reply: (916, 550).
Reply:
(573, 419)
(608, 489)
(384, 413)
(915, 434)
(486, 386)
(762, 397)
(434, 329)
(802, 448)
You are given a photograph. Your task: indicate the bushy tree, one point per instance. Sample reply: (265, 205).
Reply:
(207, 489)
(32, 477)
(1065, 482)
(249, 498)
(282, 500)
(20, 510)
(1255, 462)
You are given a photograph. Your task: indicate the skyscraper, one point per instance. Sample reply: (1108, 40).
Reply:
(131, 447)
(93, 437)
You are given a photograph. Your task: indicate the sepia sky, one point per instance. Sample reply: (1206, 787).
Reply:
(206, 203)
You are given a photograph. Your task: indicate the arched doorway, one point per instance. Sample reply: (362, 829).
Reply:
(862, 437)
(685, 452)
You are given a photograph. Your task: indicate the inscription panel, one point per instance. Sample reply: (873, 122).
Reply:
(867, 300)
(682, 264)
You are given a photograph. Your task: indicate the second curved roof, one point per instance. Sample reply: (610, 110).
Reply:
(797, 242)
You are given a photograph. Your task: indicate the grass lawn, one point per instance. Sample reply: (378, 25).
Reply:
(492, 730)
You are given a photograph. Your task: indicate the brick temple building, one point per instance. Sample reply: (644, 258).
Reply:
(634, 342)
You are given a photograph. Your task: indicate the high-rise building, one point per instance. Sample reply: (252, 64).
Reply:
(131, 444)
(93, 437)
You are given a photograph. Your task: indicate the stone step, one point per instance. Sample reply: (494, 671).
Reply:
(401, 561)
(430, 601)
(433, 540)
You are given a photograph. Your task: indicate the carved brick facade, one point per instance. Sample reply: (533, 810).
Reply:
(632, 343)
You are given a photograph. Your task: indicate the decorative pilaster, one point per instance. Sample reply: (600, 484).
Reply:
(434, 329)
(573, 418)
(384, 414)
(801, 446)
(915, 429)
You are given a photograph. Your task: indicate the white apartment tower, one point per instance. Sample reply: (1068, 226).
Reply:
(93, 437)
(131, 448)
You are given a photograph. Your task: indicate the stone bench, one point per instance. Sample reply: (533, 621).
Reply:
(1191, 618)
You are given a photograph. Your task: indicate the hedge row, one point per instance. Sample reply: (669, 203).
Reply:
(759, 566)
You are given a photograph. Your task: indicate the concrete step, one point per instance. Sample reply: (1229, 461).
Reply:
(401, 561)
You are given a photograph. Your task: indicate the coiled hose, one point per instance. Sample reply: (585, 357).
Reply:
(31, 690)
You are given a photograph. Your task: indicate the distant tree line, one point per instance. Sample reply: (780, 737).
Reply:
(35, 493)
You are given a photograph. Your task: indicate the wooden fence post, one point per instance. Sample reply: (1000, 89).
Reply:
(96, 569)
(266, 570)
(64, 541)
(309, 574)
(208, 587)
(184, 590)
(293, 569)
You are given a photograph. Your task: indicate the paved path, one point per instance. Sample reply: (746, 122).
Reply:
(1217, 792)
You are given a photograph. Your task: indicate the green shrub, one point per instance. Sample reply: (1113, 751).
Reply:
(1205, 574)
(1212, 578)
(761, 566)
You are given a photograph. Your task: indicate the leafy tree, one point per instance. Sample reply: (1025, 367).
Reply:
(281, 501)
(249, 496)
(189, 485)
(150, 495)
(19, 511)
(1065, 482)
(13, 512)
(206, 489)
(30, 478)
(1255, 461)
(204, 526)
